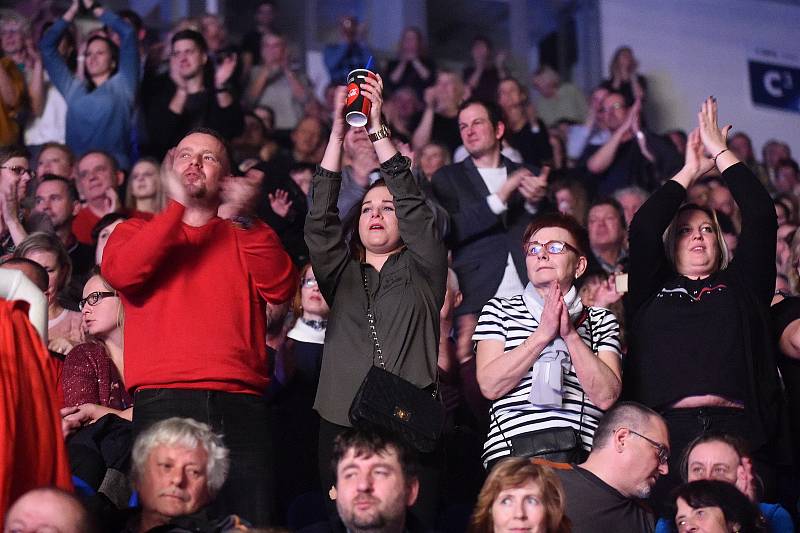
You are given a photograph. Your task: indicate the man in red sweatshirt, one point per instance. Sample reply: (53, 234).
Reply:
(194, 288)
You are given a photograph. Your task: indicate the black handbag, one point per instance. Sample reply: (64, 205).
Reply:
(556, 444)
(389, 401)
(559, 445)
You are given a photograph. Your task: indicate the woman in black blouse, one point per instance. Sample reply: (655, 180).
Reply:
(700, 349)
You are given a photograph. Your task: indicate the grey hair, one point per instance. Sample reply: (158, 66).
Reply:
(188, 433)
(632, 415)
(633, 189)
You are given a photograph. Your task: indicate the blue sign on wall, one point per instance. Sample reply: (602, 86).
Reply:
(774, 85)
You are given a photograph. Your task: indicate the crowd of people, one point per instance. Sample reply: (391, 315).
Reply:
(202, 265)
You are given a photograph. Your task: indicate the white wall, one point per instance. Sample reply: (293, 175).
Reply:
(689, 49)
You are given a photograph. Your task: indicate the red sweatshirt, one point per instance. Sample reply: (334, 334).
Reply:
(194, 300)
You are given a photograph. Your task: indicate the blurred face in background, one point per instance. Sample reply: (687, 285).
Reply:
(431, 158)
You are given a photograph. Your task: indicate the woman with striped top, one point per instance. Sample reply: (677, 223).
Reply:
(545, 361)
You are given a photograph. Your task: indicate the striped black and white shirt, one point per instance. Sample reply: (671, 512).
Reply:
(508, 320)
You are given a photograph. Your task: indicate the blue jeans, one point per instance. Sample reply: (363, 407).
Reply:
(243, 421)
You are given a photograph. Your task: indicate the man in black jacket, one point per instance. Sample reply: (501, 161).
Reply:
(192, 94)
(490, 201)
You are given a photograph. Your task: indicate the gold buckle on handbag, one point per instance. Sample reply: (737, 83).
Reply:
(401, 413)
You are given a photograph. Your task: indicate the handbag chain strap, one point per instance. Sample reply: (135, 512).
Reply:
(493, 410)
(373, 332)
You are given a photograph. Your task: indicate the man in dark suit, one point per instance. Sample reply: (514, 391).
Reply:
(490, 200)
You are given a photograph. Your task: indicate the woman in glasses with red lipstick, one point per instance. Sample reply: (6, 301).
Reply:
(92, 373)
(550, 365)
(700, 350)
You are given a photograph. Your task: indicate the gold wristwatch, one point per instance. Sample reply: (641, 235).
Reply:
(382, 133)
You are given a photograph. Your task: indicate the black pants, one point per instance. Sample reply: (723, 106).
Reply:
(243, 422)
(427, 505)
(684, 426)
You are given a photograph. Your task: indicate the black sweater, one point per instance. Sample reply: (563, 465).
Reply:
(736, 355)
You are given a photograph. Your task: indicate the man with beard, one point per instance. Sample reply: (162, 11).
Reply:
(376, 482)
(195, 289)
(631, 450)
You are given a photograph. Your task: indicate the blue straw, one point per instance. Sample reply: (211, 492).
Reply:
(369, 63)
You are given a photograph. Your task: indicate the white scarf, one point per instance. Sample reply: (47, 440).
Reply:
(548, 370)
(304, 333)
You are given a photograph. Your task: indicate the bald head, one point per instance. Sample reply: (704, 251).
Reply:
(48, 509)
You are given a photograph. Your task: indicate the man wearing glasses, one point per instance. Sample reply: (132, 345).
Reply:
(15, 173)
(195, 289)
(631, 450)
(632, 155)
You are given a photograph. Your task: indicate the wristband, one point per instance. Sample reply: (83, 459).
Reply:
(719, 154)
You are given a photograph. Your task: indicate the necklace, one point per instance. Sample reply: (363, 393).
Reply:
(318, 325)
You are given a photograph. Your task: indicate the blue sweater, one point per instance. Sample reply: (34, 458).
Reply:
(98, 119)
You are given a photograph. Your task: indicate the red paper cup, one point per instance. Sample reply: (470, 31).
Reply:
(358, 106)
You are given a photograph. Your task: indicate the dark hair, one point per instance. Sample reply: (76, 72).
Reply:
(38, 273)
(735, 507)
(492, 109)
(72, 191)
(560, 220)
(369, 440)
(218, 136)
(132, 18)
(738, 444)
(626, 100)
(788, 162)
(480, 38)
(613, 202)
(520, 87)
(14, 150)
(629, 414)
(191, 35)
(726, 224)
(105, 222)
(112, 48)
(357, 249)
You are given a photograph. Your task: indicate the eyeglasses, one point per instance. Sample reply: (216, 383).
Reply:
(663, 451)
(308, 283)
(19, 171)
(94, 298)
(612, 107)
(552, 247)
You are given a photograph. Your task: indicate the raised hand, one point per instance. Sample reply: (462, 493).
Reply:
(745, 480)
(112, 203)
(280, 203)
(372, 89)
(714, 138)
(172, 180)
(224, 70)
(533, 188)
(240, 194)
(606, 292)
(696, 160)
(339, 125)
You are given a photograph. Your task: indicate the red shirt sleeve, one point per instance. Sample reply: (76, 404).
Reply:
(267, 262)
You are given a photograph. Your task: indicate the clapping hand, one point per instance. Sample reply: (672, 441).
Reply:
(533, 188)
(339, 125)
(696, 160)
(714, 138)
